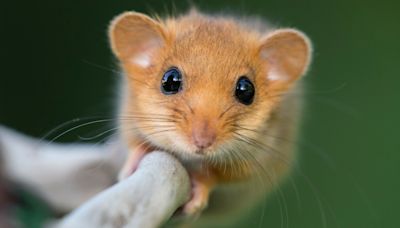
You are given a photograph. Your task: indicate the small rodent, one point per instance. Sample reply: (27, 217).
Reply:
(217, 92)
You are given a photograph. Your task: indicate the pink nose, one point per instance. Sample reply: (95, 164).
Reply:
(204, 136)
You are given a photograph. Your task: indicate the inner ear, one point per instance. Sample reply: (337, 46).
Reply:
(136, 38)
(287, 54)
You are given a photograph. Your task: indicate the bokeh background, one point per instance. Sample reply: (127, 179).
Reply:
(56, 66)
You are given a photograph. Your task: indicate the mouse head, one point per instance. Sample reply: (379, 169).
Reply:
(196, 83)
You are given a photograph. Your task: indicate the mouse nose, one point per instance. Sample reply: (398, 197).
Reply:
(203, 135)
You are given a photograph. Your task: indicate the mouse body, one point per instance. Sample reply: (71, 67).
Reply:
(220, 93)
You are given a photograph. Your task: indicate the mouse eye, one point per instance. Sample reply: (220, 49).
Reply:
(171, 81)
(244, 90)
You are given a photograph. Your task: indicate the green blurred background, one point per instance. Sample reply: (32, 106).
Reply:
(54, 62)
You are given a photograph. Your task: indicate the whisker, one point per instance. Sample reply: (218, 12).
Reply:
(62, 125)
(115, 71)
(102, 67)
(76, 127)
(274, 185)
(97, 135)
(188, 105)
(284, 159)
(225, 111)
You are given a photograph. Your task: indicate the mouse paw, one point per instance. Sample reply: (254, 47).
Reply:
(133, 160)
(197, 203)
(201, 187)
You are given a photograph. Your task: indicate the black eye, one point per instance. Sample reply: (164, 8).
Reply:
(244, 91)
(171, 81)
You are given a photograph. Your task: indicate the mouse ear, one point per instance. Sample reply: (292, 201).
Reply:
(287, 53)
(136, 38)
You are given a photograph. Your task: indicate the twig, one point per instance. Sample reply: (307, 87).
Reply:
(66, 175)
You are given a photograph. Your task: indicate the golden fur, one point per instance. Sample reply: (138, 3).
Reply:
(212, 52)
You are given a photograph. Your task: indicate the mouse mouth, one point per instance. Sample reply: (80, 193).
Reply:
(200, 152)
